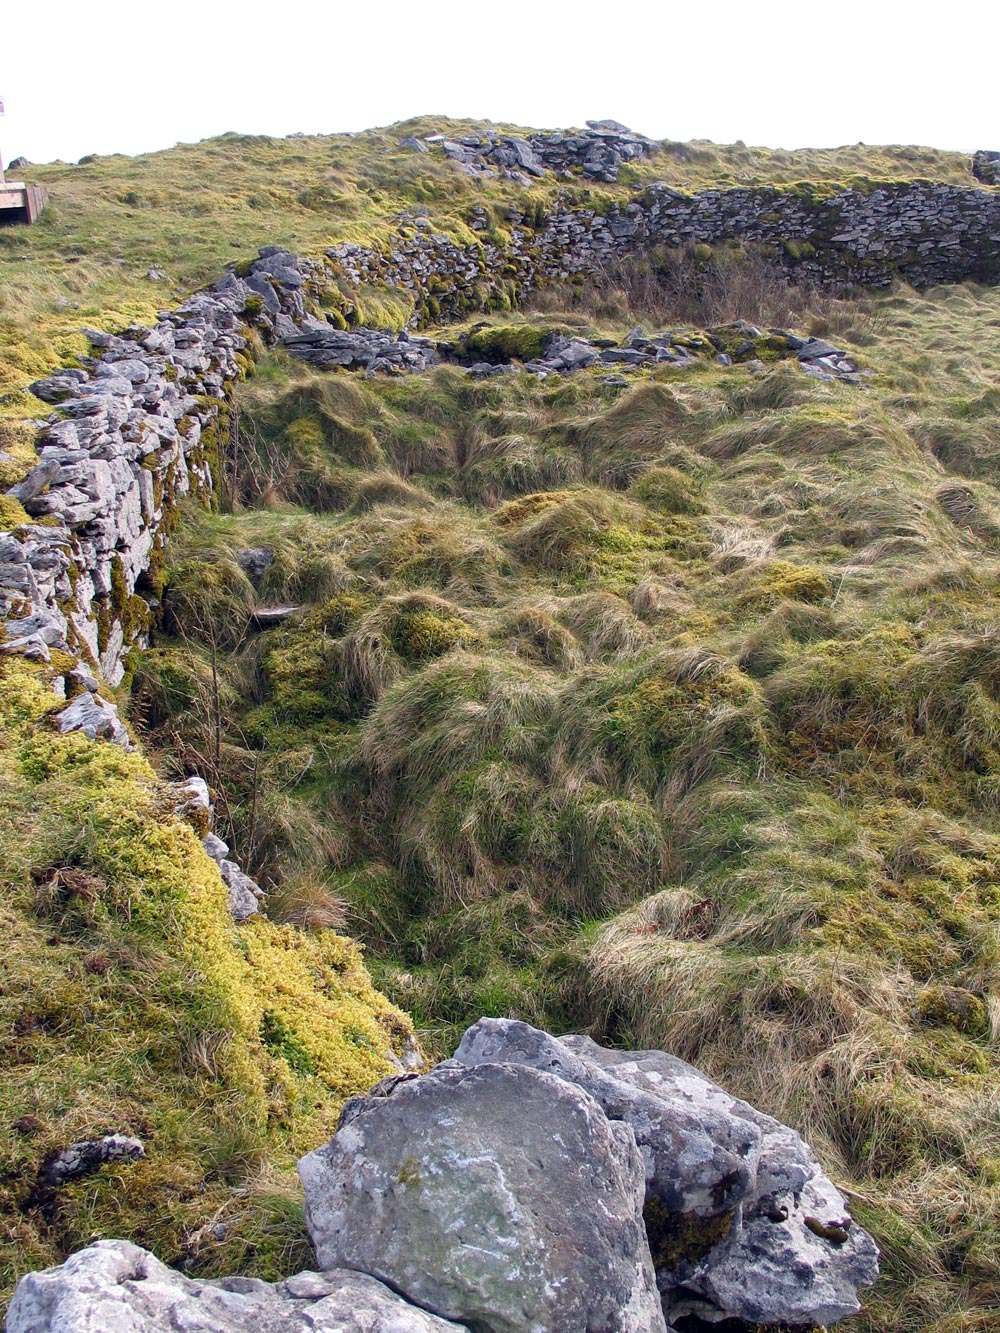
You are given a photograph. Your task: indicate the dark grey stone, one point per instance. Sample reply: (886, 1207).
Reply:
(255, 562)
(83, 1159)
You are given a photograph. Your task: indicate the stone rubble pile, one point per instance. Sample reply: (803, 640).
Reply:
(320, 344)
(596, 152)
(729, 344)
(530, 1183)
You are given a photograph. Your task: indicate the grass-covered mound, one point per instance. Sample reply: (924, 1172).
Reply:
(669, 709)
(132, 1003)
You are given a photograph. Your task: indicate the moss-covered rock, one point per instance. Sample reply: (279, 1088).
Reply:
(132, 1002)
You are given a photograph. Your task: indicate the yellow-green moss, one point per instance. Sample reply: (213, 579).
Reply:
(12, 513)
(131, 1001)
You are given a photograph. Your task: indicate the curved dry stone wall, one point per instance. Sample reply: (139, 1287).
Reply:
(142, 423)
(923, 232)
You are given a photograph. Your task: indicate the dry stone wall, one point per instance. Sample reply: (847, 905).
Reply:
(923, 232)
(136, 429)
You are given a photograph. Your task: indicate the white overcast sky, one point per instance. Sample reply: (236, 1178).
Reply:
(132, 77)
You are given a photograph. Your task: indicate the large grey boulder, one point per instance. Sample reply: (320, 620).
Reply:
(742, 1221)
(499, 1196)
(116, 1287)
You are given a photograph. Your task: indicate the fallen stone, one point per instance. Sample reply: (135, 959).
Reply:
(194, 801)
(83, 1159)
(244, 892)
(116, 1287)
(96, 718)
(499, 1196)
(266, 617)
(608, 126)
(216, 847)
(814, 348)
(255, 562)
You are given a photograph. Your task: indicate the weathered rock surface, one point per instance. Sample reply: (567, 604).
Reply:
(244, 893)
(116, 1287)
(255, 561)
(95, 717)
(742, 1221)
(498, 1196)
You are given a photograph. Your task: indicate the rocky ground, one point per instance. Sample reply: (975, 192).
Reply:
(529, 1183)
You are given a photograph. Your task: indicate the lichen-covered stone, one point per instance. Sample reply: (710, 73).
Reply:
(498, 1196)
(742, 1220)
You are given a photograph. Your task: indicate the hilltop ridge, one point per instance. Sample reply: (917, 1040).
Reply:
(182, 214)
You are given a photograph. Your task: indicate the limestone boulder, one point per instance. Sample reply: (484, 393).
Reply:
(499, 1196)
(742, 1221)
(116, 1287)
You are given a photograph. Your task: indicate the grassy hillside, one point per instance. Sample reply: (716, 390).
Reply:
(131, 1003)
(668, 708)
